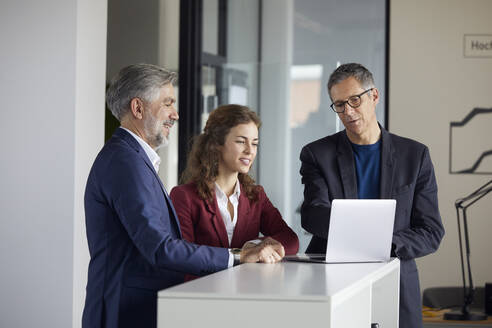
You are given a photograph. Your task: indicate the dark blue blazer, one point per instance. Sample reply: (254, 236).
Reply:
(407, 175)
(134, 239)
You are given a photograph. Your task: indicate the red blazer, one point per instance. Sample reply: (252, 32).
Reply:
(201, 222)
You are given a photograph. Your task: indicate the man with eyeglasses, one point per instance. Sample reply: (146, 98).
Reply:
(366, 161)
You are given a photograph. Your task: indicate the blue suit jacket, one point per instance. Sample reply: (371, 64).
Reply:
(407, 175)
(134, 239)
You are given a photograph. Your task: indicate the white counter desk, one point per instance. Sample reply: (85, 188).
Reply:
(286, 294)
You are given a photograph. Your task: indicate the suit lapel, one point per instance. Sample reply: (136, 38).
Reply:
(346, 166)
(243, 209)
(217, 221)
(387, 165)
(135, 145)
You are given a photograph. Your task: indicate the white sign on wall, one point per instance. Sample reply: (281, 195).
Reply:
(477, 45)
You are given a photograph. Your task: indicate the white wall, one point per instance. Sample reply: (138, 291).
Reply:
(432, 84)
(51, 63)
(90, 76)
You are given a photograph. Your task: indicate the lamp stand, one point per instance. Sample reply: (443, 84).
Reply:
(468, 291)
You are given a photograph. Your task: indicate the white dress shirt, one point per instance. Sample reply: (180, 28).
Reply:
(151, 153)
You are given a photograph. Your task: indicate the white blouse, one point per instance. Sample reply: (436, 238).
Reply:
(222, 200)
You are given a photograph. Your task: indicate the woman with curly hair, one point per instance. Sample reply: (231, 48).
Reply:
(220, 204)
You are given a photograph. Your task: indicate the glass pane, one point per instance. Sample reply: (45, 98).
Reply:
(327, 34)
(209, 93)
(303, 42)
(210, 26)
(234, 81)
(243, 43)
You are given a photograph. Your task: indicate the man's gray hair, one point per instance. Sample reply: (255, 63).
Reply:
(357, 71)
(142, 81)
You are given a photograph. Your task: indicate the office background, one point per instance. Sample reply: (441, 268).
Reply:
(57, 56)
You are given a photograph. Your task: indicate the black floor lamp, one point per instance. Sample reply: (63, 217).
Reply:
(468, 291)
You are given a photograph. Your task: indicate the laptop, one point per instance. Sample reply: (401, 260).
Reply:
(360, 231)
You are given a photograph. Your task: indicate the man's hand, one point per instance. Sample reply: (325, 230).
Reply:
(268, 251)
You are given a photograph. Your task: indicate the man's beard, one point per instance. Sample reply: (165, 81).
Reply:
(159, 140)
(153, 129)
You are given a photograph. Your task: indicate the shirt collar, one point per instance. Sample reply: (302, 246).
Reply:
(151, 153)
(222, 195)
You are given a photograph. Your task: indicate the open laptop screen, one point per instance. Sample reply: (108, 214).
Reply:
(361, 230)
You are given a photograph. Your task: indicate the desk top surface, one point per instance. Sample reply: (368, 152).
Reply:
(435, 318)
(282, 281)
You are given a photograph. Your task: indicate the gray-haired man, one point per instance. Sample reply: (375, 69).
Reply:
(366, 161)
(132, 229)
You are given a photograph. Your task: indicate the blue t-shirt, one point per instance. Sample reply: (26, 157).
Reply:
(368, 168)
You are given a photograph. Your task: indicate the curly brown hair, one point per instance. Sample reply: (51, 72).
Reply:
(202, 166)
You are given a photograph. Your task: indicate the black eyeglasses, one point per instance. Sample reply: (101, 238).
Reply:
(353, 101)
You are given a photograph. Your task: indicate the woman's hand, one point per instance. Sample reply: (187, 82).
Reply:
(268, 251)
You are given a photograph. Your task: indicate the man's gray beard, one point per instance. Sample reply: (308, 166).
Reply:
(164, 142)
(157, 140)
